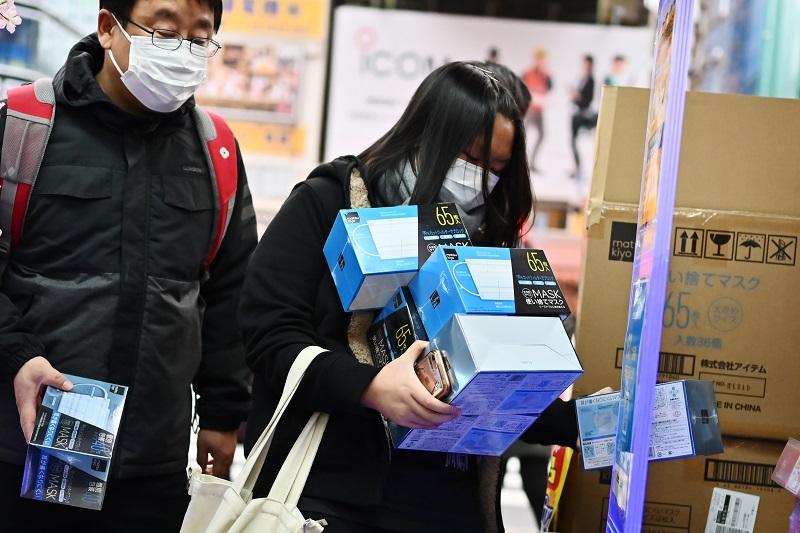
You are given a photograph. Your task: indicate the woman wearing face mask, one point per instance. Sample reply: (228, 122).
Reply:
(461, 139)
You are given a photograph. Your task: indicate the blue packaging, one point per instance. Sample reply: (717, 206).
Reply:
(481, 280)
(372, 252)
(503, 371)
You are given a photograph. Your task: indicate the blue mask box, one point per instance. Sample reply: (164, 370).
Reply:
(69, 456)
(395, 328)
(479, 280)
(503, 372)
(685, 423)
(372, 252)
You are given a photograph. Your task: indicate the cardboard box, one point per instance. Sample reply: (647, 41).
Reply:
(730, 314)
(679, 493)
(395, 328)
(485, 280)
(69, 456)
(685, 423)
(787, 471)
(504, 371)
(371, 252)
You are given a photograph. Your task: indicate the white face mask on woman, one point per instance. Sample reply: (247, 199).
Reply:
(462, 185)
(162, 80)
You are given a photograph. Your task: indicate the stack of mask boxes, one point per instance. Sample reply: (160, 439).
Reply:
(730, 304)
(492, 315)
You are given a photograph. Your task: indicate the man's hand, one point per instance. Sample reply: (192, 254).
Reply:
(215, 451)
(33, 375)
(397, 393)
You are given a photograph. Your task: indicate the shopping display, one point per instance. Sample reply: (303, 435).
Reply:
(729, 309)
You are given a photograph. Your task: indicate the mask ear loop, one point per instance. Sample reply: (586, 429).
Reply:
(455, 277)
(94, 387)
(354, 241)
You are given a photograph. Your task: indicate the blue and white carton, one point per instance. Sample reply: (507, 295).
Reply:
(685, 423)
(503, 372)
(481, 280)
(372, 252)
(69, 456)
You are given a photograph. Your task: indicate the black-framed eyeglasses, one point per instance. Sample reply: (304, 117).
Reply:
(172, 40)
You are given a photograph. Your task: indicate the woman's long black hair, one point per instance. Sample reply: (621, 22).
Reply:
(454, 105)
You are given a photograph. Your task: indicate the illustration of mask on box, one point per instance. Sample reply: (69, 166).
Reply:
(72, 443)
(481, 280)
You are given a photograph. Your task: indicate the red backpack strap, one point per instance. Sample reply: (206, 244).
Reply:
(220, 149)
(29, 121)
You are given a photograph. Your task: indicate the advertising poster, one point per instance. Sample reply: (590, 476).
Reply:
(651, 265)
(376, 66)
(267, 81)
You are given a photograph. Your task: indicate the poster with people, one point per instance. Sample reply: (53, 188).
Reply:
(375, 67)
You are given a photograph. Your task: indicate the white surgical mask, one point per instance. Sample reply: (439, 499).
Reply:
(462, 185)
(162, 80)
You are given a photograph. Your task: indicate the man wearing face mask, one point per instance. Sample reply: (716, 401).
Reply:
(108, 280)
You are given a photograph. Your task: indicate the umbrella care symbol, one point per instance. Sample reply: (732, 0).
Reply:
(749, 244)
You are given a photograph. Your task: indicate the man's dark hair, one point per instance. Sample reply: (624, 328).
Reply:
(589, 59)
(122, 9)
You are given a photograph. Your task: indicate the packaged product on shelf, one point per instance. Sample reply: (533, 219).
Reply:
(787, 471)
(685, 423)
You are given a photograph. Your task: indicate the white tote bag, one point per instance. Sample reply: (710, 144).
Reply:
(221, 506)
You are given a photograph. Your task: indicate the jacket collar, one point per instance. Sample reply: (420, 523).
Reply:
(76, 85)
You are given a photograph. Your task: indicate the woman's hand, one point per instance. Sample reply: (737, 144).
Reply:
(397, 393)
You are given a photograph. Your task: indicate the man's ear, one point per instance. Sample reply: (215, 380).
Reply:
(105, 24)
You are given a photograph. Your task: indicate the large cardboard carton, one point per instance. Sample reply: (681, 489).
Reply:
(730, 314)
(682, 495)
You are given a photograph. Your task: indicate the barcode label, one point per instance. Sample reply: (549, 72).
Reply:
(736, 508)
(726, 529)
(759, 475)
(668, 363)
(676, 363)
(731, 512)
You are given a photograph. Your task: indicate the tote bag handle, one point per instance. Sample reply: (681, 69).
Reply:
(309, 437)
